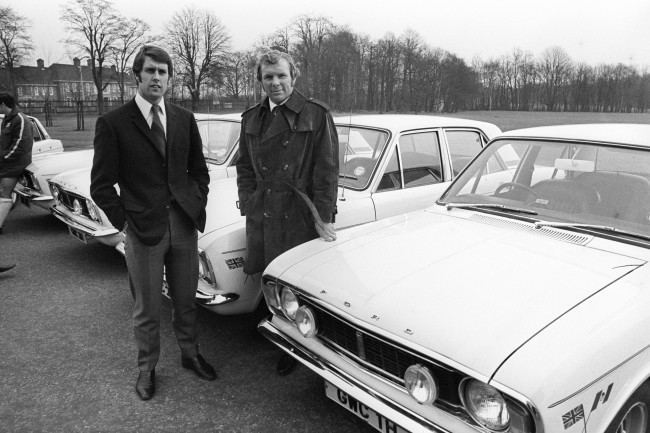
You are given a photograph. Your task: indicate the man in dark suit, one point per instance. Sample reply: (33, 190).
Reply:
(152, 150)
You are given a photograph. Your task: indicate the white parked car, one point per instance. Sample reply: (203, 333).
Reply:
(86, 221)
(517, 303)
(389, 164)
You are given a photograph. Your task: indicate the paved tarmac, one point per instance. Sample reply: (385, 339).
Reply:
(68, 360)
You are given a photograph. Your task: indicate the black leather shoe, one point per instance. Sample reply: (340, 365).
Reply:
(286, 364)
(7, 268)
(146, 384)
(199, 366)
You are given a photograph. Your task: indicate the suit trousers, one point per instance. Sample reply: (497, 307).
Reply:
(177, 255)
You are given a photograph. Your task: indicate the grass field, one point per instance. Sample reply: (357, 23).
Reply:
(65, 126)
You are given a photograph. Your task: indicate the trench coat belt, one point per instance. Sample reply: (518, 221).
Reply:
(284, 185)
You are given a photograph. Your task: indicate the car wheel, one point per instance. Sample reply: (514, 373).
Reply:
(633, 416)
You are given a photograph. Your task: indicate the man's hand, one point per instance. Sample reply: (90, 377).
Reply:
(326, 231)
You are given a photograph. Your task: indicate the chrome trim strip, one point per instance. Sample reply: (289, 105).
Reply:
(90, 231)
(599, 378)
(321, 366)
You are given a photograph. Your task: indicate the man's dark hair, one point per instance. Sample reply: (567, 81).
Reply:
(7, 99)
(271, 57)
(157, 54)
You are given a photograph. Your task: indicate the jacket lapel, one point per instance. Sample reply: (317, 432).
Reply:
(171, 114)
(141, 124)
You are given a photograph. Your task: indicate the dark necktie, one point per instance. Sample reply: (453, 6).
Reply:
(157, 130)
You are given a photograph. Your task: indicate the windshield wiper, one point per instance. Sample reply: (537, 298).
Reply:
(598, 227)
(490, 206)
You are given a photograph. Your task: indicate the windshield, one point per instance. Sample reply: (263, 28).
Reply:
(219, 137)
(565, 182)
(359, 152)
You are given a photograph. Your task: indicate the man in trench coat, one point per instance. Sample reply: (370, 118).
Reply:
(287, 173)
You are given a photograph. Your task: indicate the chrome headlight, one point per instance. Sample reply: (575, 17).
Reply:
(289, 303)
(92, 210)
(76, 207)
(55, 192)
(421, 384)
(486, 405)
(306, 322)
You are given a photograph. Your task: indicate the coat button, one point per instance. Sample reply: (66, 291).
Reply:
(264, 168)
(286, 143)
(286, 167)
(268, 191)
(267, 215)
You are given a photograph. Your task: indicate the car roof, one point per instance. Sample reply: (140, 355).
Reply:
(405, 122)
(623, 133)
(215, 116)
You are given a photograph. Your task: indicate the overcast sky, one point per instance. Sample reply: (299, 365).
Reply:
(591, 31)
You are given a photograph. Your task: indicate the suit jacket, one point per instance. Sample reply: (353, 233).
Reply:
(125, 154)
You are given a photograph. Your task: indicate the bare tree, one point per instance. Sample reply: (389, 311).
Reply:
(239, 75)
(15, 42)
(199, 43)
(555, 70)
(131, 35)
(311, 34)
(93, 27)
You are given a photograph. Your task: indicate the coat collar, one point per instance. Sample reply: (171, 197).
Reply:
(291, 108)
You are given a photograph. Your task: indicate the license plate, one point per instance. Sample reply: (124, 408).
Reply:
(376, 420)
(78, 234)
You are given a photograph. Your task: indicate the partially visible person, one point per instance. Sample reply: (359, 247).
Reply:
(16, 141)
(287, 173)
(152, 150)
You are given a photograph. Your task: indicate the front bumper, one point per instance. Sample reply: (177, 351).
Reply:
(111, 237)
(381, 396)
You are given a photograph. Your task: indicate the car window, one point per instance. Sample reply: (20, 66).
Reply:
(392, 178)
(218, 137)
(420, 156)
(36, 131)
(359, 153)
(463, 145)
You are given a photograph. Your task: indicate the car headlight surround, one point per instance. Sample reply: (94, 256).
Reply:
(420, 384)
(92, 210)
(55, 192)
(77, 209)
(306, 321)
(486, 405)
(289, 302)
(270, 289)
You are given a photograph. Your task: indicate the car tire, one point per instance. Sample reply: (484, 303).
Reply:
(633, 416)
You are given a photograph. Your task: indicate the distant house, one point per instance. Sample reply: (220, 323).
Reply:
(65, 84)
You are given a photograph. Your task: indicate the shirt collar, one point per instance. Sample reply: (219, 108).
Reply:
(145, 106)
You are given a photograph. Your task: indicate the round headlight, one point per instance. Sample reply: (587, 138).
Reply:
(420, 384)
(306, 322)
(289, 303)
(55, 192)
(92, 210)
(486, 405)
(76, 207)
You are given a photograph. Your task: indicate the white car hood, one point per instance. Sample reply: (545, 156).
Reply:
(50, 164)
(77, 181)
(461, 289)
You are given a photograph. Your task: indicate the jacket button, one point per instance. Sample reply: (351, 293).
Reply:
(286, 167)
(286, 143)
(268, 191)
(267, 215)
(264, 168)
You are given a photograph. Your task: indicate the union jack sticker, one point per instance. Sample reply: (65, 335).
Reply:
(573, 416)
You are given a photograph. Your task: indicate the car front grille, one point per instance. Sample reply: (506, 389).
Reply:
(381, 356)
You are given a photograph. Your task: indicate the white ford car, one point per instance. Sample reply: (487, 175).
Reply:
(389, 164)
(518, 303)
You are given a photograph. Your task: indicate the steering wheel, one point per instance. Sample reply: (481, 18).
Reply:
(512, 186)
